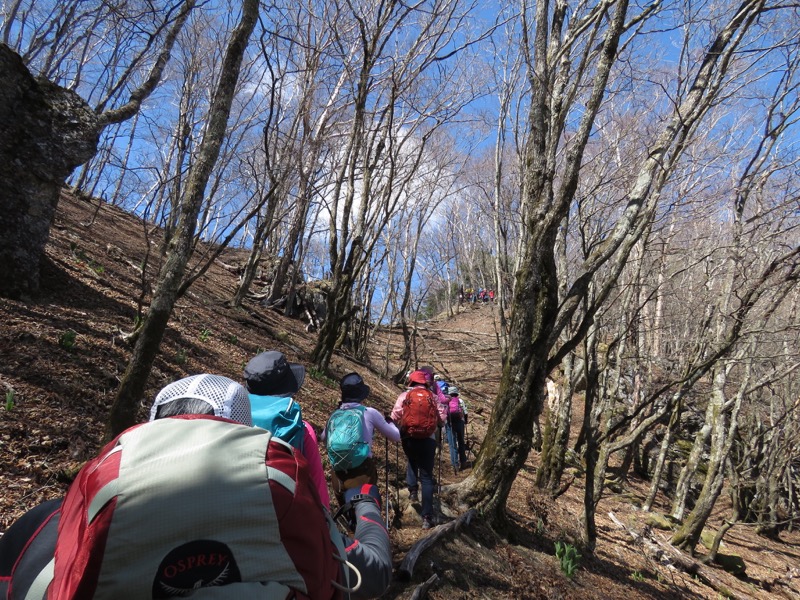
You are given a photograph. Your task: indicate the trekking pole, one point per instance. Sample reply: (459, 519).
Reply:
(397, 475)
(468, 444)
(386, 466)
(439, 482)
(451, 442)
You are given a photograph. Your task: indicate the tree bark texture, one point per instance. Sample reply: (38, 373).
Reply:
(522, 387)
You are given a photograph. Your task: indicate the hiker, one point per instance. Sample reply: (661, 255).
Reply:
(443, 385)
(348, 437)
(272, 382)
(420, 416)
(456, 422)
(198, 509)
(433, 382)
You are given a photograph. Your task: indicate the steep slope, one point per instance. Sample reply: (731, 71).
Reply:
(62, 354)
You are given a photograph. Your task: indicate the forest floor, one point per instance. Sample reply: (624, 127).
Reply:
(62, 354)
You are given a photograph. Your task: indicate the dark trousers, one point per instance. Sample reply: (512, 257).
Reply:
(421, 455)
(455, 439)
(27, 546)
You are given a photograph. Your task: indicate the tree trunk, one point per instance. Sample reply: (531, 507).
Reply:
(338, 313)
(661, 460)
(134, 380)
(522, 387)
(281, 276)
(556, 442)
(689, 469)
(594, 456)
(535, 304)
(688, 534)
(264, 227)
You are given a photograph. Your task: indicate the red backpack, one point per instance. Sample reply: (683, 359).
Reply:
(420, 414)
(185, 505)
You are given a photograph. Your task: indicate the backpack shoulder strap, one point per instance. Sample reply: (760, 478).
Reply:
(38, 589)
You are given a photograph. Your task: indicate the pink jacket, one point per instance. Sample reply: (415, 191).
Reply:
(311, 454)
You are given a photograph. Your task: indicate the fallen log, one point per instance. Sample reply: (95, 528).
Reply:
(406, 569)
(671, 556)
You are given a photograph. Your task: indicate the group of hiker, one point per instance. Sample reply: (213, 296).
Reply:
(209, 498)
(472, 296)
(423, 410)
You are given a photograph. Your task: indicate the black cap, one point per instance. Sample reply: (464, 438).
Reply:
(353, 388)
(270, 374)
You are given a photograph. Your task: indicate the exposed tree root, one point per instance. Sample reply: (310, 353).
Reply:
(406, 569)
(421, 591)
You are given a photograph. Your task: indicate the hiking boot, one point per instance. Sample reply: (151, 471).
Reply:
(427, 522)
(413, 496)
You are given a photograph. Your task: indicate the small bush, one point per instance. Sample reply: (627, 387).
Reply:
(10, 399)
(569, 558)
(180, 356)
(320, 376)
(67, 339)
(205, 334)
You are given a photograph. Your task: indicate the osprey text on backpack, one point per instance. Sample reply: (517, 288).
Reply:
(185, 505)
(420, 415)
(347, 448)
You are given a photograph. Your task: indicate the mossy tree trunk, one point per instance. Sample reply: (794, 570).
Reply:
(556, 434)
(522, 386)
(535, 301)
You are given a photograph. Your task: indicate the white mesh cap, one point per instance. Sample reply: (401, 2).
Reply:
(228, 398)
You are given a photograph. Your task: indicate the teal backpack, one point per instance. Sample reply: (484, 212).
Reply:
(344, 438)
(281, 416)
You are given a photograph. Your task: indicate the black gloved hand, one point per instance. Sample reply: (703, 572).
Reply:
(367, 492)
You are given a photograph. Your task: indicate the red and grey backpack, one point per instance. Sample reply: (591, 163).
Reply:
(420, 414)
(193, 505)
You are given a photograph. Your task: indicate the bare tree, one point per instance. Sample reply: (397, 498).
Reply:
(126, 402)
(538, 319)
(393, 117)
